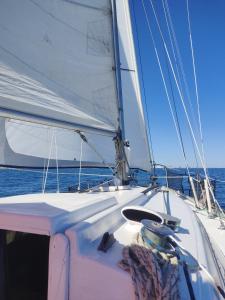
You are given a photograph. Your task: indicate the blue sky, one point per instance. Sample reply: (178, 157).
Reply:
(208, 34)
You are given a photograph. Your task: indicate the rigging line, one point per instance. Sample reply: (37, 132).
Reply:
(164, 82)
(178, 60)
(100, 156)
(56, 160)
(172, 37)
(81, 154)
(49, 157)
(171, 88)
(183, 76)
(171, 43)
(143, 84)
(184, 106)
(60, 173)
(83, 137)
(176, 116)
(43, 174)
(195, 79)
(178, 88)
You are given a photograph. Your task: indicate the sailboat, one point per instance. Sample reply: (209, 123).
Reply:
(71, 65)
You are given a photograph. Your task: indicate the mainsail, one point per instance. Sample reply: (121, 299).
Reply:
(57, 68)
(56, 63)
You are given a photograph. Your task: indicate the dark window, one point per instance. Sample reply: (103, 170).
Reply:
(23, 266)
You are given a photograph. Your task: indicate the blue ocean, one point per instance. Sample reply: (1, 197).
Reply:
(19, 181)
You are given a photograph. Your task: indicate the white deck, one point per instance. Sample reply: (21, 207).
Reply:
(215, 228)
(84, 239)
(83, 219)
(51, 213)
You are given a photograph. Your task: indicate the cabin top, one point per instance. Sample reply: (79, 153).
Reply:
(54, 212)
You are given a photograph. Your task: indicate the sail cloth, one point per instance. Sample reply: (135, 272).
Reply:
(57, 67)
(57, 63)
(29, 145)
(135, 128)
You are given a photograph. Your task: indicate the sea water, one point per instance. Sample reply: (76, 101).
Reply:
(20, 181)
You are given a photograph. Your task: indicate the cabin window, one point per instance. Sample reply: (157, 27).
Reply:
(23, 266)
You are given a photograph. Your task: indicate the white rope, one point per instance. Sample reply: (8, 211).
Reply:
(56, 160)
(179, 65)
(100, 156)
(178, 88)
(180, 61)
(49, 157)
(92, 147)
(184, 106)
(195, 80)
(165, 86)
(171, 37)
(171, 177)
(198, 106)
(43, 174)
(81, 154)
(60, 173)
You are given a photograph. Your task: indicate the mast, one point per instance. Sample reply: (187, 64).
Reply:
(122, 167)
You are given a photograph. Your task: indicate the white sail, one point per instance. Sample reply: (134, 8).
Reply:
(56, 63)
(30, 145)
(135, 128)
(57, 68)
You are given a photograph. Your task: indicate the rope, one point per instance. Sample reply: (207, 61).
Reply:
(181, 98)
(195, 80)
(178, 60)
(170, 177)
(60, 173)
(84, 138)
(81, 153)
(100, 156)
(154, 276)
(43, 173)
(198, 105)
(164, 82)
(49, 157)
(56, 160)
(176, 118)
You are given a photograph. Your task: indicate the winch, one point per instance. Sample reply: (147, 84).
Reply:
(156, 236)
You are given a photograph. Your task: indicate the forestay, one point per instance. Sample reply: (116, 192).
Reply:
(56, 63)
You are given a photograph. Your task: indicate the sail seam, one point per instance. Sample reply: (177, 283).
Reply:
(84, 5)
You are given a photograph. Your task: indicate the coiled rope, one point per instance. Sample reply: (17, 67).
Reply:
(153, 277)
